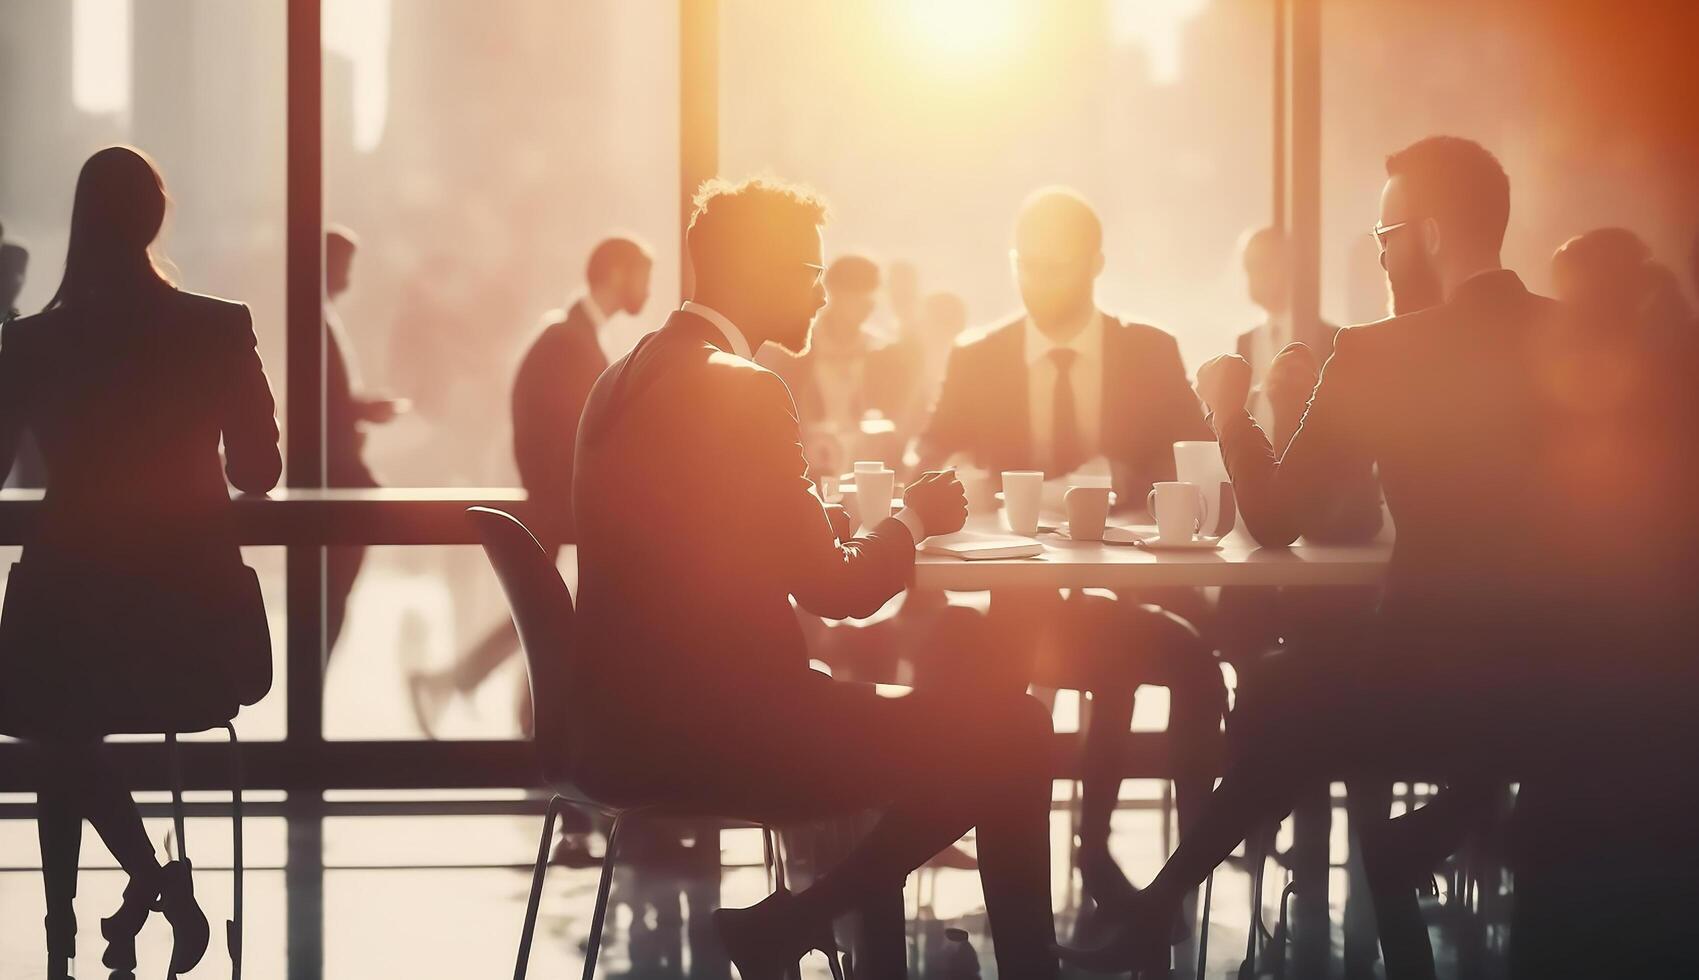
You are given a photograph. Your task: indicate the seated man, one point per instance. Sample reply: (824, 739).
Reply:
(697, 525)
(1064, 384)
(1499, 619)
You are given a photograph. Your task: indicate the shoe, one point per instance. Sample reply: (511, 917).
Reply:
(1142, 944)
(120, 928)
(757, 944)
(189, 930)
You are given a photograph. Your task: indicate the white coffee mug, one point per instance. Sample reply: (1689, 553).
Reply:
(873, 489)
(1088, 512)
(1180, 510)
(1023, 495)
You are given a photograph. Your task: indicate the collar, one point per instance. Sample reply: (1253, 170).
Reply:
(1493, 282)
(733, 336)
(598, 317)
(1087, 341)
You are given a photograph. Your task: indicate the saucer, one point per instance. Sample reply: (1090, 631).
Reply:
(1196, 544)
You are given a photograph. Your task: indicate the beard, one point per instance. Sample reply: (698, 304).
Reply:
(1414, 286)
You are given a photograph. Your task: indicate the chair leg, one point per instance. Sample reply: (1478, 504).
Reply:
(769, 858)
(1203, 928)
(537, 873)
(600, 915)
(174, 762)
(233, 927)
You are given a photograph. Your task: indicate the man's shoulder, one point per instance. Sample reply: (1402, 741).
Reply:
(987, 337)
(1135, 332)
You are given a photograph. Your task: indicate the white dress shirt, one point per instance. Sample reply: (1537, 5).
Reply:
(1266, 341)
(598, 319)
(1086, 373)
(734, 336)
(740, 347)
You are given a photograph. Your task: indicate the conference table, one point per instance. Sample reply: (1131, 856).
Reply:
(299, 518)
(1240, 561)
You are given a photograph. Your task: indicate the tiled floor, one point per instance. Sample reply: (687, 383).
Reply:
(443, 896)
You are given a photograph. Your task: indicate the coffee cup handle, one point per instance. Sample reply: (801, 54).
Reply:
(1205, 519)
(1150, 503)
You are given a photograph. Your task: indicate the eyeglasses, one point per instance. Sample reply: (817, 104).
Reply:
(1043, 265)
(819, 271)
(1381, 231)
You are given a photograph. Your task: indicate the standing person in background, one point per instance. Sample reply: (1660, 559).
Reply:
(347, 410)
(27, 468)
(549, 390)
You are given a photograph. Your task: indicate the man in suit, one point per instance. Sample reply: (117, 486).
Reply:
(347, 411)
(698, 524)
(1496, 610)
(1060, 385)
(549, 390)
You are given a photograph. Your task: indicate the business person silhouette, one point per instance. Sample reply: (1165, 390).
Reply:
(1497, 613)
(698, 524)
(127, 593)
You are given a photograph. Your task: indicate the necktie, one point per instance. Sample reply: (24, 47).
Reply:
(1065, 450)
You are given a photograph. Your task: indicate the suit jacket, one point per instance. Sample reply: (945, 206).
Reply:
(697, 524)
(549, 392)
(1148, 405)
(1451, 403)
(128, 403)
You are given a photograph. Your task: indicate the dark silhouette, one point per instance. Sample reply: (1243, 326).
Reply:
(347, 410)
(549, 392)
(14, 263)
(698, 524)
(1122, 394)
(130, 609)
(1616, 287)
(1496, 610)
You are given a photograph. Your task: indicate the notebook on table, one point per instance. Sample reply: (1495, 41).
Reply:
(981, 546)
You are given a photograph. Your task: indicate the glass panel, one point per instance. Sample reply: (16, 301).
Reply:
(427, 648)
(478, 152)
(1619, 149)
(199, 85)
(926, 124)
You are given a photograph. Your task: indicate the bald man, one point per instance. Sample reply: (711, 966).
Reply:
(1061, 385)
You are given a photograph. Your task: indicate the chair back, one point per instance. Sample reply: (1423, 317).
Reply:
(541, 606)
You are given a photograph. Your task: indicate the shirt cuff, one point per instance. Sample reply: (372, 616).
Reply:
(911, 520)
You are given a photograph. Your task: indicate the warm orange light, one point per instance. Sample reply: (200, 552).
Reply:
(965, 28)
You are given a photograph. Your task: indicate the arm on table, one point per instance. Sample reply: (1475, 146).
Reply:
(1324, 467)
(830, 579)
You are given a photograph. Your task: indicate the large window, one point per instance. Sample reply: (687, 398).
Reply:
(926, 123)
(478, 152)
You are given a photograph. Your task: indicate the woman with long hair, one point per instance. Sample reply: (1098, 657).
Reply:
(129, 605)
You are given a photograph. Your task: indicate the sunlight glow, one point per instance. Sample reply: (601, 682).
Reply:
(1156, 26)
(100, 55)
(963, 28)
(359, 31)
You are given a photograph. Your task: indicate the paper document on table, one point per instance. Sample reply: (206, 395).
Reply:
(980, 546)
